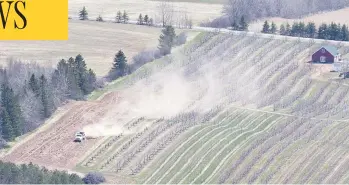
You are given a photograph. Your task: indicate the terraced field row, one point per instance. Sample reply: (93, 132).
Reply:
(255, 114)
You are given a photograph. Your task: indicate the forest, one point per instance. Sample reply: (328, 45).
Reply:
(31, 93)
(33, 174)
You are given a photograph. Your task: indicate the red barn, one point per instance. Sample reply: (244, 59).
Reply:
(326, 54)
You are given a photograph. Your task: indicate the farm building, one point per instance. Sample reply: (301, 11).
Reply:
(326, 54)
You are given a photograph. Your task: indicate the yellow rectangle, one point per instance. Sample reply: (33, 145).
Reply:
(45, 20)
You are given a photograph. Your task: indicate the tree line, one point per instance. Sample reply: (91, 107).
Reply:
(330, 31)
(32, 174)
(121, 17)
(167, 40)
(240, 25)
(31, 93)
(258, 9)
(146, 20)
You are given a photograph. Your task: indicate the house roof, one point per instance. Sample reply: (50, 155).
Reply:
(333, 50)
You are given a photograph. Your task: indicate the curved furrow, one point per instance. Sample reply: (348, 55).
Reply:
(199, 69)
(240, 48)
(198, 145)
(341, 169)
(338, 104)
(268, 146)
(299, 90)
(284, 87)
(245, 153)
(214, 146)
(311, 139)
(298, 163)
(329, 166)
(319, 159)
(263, 73)
(189, 141)
(275, 82)
(235, 71)
(257, 53)
(261, 148)
(311, 97)
(283, 162)
(202, 171)
(286, 57)
(313, 109)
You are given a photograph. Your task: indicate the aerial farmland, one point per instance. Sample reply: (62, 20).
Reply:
(225, 107)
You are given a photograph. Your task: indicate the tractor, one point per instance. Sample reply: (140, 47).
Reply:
(79, 136)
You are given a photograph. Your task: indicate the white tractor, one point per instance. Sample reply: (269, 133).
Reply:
(79, 137)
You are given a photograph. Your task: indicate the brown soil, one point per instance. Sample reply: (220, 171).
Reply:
(54, 147)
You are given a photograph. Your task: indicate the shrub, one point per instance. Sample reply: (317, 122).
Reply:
(93, 178)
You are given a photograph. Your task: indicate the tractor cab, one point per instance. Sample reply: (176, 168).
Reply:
(79, 136)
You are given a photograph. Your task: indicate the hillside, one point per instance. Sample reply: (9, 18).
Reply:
(222, 109)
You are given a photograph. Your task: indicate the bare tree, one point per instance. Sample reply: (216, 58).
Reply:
(166, 10)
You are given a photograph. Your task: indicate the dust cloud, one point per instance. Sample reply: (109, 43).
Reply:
(163, 95)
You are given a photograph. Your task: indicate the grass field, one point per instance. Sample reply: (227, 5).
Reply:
(197, 11)
(104, 40)
(221, 109)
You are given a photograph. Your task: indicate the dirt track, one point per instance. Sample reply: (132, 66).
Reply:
(54, 147)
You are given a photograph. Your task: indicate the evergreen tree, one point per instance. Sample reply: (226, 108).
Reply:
(235, 25)
(83, 14)
(91, 81)
(345, 33)
(62, 67)
(146, 20)
(273, 29)
(243, 24)
(73, 80)
(288, 29)
(323, 31)
(302, 29)
(12, 107)
(282, 29)
(74, 91)
(99, 18)
(44, 97)
(310, 30)
(125, 17)
(295, 29)
(266, 27)
(166, 40)
(140, 19)
(7, 130)
(82, 74)
(32, 174)
(333, 31)
(15, 113)
(119, 17)
(119, 66)
(34, 85)
(151, 22)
